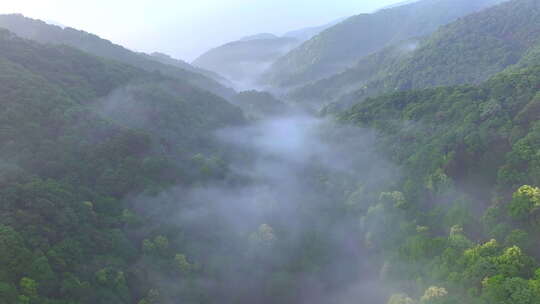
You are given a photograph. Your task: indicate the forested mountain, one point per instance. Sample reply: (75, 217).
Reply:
(76, 139)
(124, 182)
(45, 33)
(114, 185)
(466, 154)
(469, 50)
(342, 45)
(370, 68)
(244, 61)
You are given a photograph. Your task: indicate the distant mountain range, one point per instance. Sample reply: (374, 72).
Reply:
(399, 4)
(259, 37)
(243, 61)
(341, 46)
(469, 50)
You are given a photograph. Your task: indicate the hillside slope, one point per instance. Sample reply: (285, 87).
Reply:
(469, 50)
(123, 185)
(71, 150)
(342, 45)
(45, 33)
(368, 69)
(463, 211)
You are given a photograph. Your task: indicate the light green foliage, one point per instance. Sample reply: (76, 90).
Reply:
(22, 299)
(89, 205)
(434, 295)
(525, 201)
(28, 287)
(513, 262)
(400, 299)
(439, 182)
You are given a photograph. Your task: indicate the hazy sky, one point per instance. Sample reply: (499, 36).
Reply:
(186, 28)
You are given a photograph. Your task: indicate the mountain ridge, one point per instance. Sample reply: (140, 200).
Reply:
(40, 31)
(340, 46)
(473, 49)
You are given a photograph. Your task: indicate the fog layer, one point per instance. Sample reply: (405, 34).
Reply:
(284, 216)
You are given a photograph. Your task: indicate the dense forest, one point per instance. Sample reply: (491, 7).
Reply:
(72, 150)
(137, 178)
(469, 156)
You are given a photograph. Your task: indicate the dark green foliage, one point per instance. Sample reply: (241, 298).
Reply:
(78, 134)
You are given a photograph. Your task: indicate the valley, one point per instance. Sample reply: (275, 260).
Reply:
(384, 158)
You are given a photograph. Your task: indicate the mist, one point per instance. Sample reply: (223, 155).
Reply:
(282, 205)
(292, 202)
(243, 62)
(291, 189)
(265, 152)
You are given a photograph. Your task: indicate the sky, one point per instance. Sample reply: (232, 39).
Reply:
(187, 28)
